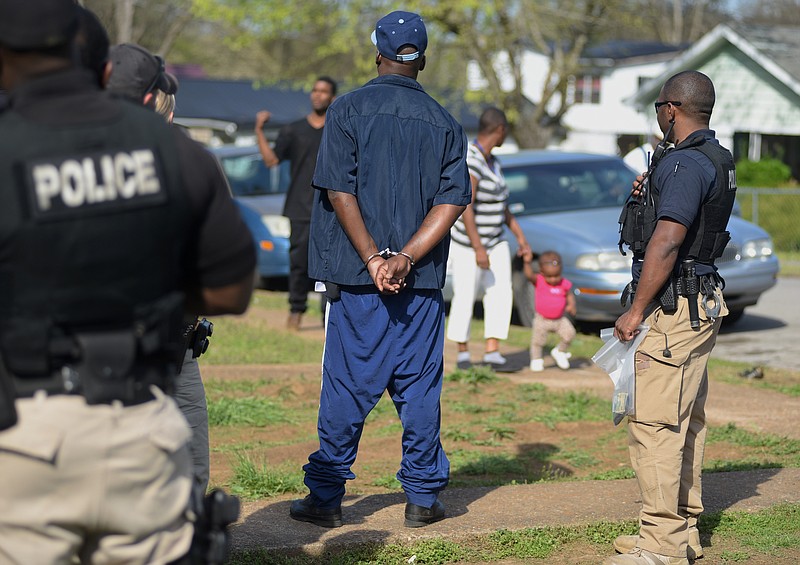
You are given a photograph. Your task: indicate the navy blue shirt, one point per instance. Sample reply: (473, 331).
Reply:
(400, 153)
(685, 179)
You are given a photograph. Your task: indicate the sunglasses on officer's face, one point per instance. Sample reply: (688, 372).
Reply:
(658, 105)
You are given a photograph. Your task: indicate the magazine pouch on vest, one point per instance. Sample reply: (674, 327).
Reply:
(103, 364)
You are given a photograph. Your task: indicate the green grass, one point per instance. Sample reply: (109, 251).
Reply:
(250, 340)
(565, 407)
(253, 479)
(790, 263)
(769, 443)
(777, 380)
(764, 532)
(246, 411)
(742, 536)
(474, 376)
(220, 386)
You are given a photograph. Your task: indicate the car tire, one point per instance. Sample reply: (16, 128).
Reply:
(524, 296)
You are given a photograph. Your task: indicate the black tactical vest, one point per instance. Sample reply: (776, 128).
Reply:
(93, 229)
(707, 237)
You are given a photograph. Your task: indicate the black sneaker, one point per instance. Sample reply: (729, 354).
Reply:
(418, 516)
(305, 510)
(464, 365)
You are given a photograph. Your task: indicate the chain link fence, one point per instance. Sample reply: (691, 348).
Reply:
(777, 210)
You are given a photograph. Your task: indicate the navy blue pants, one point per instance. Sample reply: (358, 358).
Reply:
(375, 343)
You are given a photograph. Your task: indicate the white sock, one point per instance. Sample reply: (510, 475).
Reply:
(494, 357)
(463, 356)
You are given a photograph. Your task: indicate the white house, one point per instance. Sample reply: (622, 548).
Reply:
(756, 73)
(600, 119)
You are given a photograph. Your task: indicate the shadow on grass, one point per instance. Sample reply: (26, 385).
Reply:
(269, 535)
(722, 490)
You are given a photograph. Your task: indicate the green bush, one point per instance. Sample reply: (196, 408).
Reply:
(763, 173)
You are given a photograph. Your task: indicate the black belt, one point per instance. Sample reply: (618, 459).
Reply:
(707, 284)
(129, 391)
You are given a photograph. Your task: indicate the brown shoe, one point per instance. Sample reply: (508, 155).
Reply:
(293, 321)
(624, 544)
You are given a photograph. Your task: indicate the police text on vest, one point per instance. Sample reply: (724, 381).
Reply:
(83, 181)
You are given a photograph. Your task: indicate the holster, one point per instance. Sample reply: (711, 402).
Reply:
(332, 291)
(102, 363)
(8, 411)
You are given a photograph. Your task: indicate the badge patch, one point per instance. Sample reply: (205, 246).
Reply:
(94, 183)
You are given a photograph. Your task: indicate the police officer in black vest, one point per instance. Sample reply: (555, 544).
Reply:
(676, 228)
(113, 225)
(137, 75)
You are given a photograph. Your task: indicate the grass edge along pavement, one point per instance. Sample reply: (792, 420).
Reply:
(750, 517)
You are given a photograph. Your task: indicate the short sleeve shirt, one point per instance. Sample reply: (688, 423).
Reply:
(298, 143)
(685, 179)
(400, 153)
(551, 300)
(220, 248)
(490, 200)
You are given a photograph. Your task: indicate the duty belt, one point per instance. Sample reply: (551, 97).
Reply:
(129, 391)
(707, 285)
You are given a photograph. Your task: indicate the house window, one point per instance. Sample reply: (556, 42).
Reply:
(587, 89)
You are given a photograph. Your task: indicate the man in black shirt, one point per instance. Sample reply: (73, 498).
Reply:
(298, 142)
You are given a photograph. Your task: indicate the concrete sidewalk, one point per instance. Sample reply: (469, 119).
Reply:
(478, 511)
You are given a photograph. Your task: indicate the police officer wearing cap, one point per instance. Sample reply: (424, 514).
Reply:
(92, 300)
(676, 228)
(391, 179)
(138, 75)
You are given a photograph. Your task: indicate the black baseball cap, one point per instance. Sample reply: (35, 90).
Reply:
(37, 24)
(135, 72)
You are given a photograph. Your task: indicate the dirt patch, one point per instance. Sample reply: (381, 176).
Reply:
(493, 433)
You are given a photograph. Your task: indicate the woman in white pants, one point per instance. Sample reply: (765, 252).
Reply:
(480, 256)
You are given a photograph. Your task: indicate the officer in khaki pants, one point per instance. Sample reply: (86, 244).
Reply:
(95, 468)
(686, 199)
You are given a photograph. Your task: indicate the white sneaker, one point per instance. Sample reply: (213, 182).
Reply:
(560, 357)
(537, 365)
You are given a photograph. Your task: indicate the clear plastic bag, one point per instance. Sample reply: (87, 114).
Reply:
(618, 359)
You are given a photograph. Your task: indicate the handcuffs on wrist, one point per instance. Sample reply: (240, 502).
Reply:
(388, 253)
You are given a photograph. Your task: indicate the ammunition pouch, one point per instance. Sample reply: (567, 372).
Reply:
(101, 363)
(677, 286)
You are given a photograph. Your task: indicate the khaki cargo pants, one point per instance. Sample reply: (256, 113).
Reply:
(666, 436)
(105, 483)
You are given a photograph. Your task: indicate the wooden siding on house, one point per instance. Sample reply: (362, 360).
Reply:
(749, 99)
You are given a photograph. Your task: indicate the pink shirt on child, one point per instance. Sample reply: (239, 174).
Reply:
(551, 300)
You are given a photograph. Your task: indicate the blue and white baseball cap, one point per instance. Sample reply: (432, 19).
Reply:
(397, 30)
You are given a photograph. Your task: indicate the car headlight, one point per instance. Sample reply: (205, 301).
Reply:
(278, 226)
(756, 248)
(603, 261)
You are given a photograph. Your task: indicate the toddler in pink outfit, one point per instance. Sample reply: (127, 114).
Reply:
(554, 299)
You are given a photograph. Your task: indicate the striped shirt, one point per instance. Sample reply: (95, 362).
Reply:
(490, 201)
